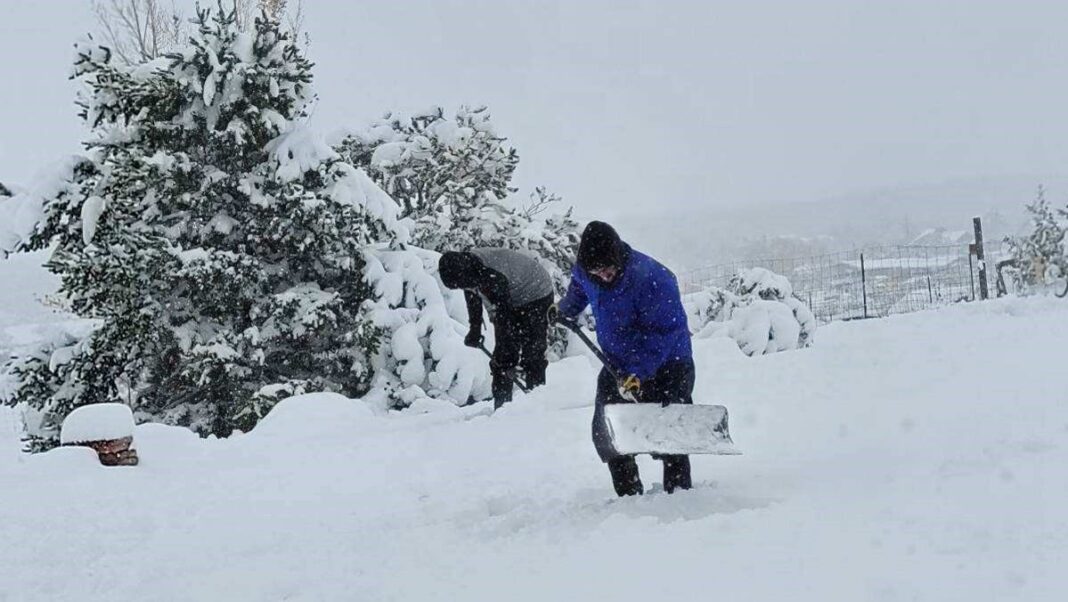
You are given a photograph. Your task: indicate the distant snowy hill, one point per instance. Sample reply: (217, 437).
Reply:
(701, 235)
(941, 236)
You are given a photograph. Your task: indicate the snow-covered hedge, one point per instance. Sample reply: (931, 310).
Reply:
(757, 309)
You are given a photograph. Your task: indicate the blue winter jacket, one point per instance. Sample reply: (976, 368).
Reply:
(641, 324)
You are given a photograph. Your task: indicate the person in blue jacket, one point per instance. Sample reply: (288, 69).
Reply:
(642, 329)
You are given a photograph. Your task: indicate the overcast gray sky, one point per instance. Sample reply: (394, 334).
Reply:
(682, 104)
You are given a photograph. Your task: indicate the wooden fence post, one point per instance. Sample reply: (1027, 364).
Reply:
(980, 256)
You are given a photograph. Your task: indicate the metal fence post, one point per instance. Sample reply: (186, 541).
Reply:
(980, 257)
(864, 285)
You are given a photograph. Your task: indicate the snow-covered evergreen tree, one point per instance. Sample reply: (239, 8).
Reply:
(1041, 253)
(219, 245)
(448, 174)
(4, 191)
(451, 176)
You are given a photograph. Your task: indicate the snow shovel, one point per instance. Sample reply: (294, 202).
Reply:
(515, 379)
(657, 429)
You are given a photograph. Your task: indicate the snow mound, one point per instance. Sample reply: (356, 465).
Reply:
(315, 415)
(97, 422)
(168, 447)
(63, 462)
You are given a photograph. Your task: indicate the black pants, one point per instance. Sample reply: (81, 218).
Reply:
(522, 338)
(673, 383)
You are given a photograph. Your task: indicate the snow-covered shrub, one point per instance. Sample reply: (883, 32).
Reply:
(424, 353)
(220, 245)
(757, 309)
(1039, 256)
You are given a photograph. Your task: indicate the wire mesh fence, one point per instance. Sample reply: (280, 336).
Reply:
(871, 282)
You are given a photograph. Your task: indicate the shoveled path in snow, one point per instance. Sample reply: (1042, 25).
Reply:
(920, 457)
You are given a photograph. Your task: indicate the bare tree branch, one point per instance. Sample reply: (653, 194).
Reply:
(284, 10)
(142, 30)
(274, 8)
(245, 13)
(138, 30)
(540, 200)
(296, 21)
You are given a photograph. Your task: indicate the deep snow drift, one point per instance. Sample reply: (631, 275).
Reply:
(920, 457)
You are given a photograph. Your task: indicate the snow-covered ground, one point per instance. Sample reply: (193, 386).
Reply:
(920, 457)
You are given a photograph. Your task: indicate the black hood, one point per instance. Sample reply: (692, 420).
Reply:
(459, 270)
(601, 247)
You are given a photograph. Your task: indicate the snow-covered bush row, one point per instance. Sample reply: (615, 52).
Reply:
(757, 309)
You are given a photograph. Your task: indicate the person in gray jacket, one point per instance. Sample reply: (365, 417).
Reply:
(518, 293)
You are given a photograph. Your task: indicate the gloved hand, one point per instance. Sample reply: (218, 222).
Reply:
(474, 339)
(553, 313)
(630, 388)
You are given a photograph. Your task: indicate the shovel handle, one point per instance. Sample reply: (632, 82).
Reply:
(515, 379)
(574, 327)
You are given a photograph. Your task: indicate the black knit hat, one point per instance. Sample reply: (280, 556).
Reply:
(600, 247)
(459, 270)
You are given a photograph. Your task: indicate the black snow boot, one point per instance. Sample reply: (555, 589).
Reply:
(534, 373)
(625, 476)
(676, 473)
(502, 388)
